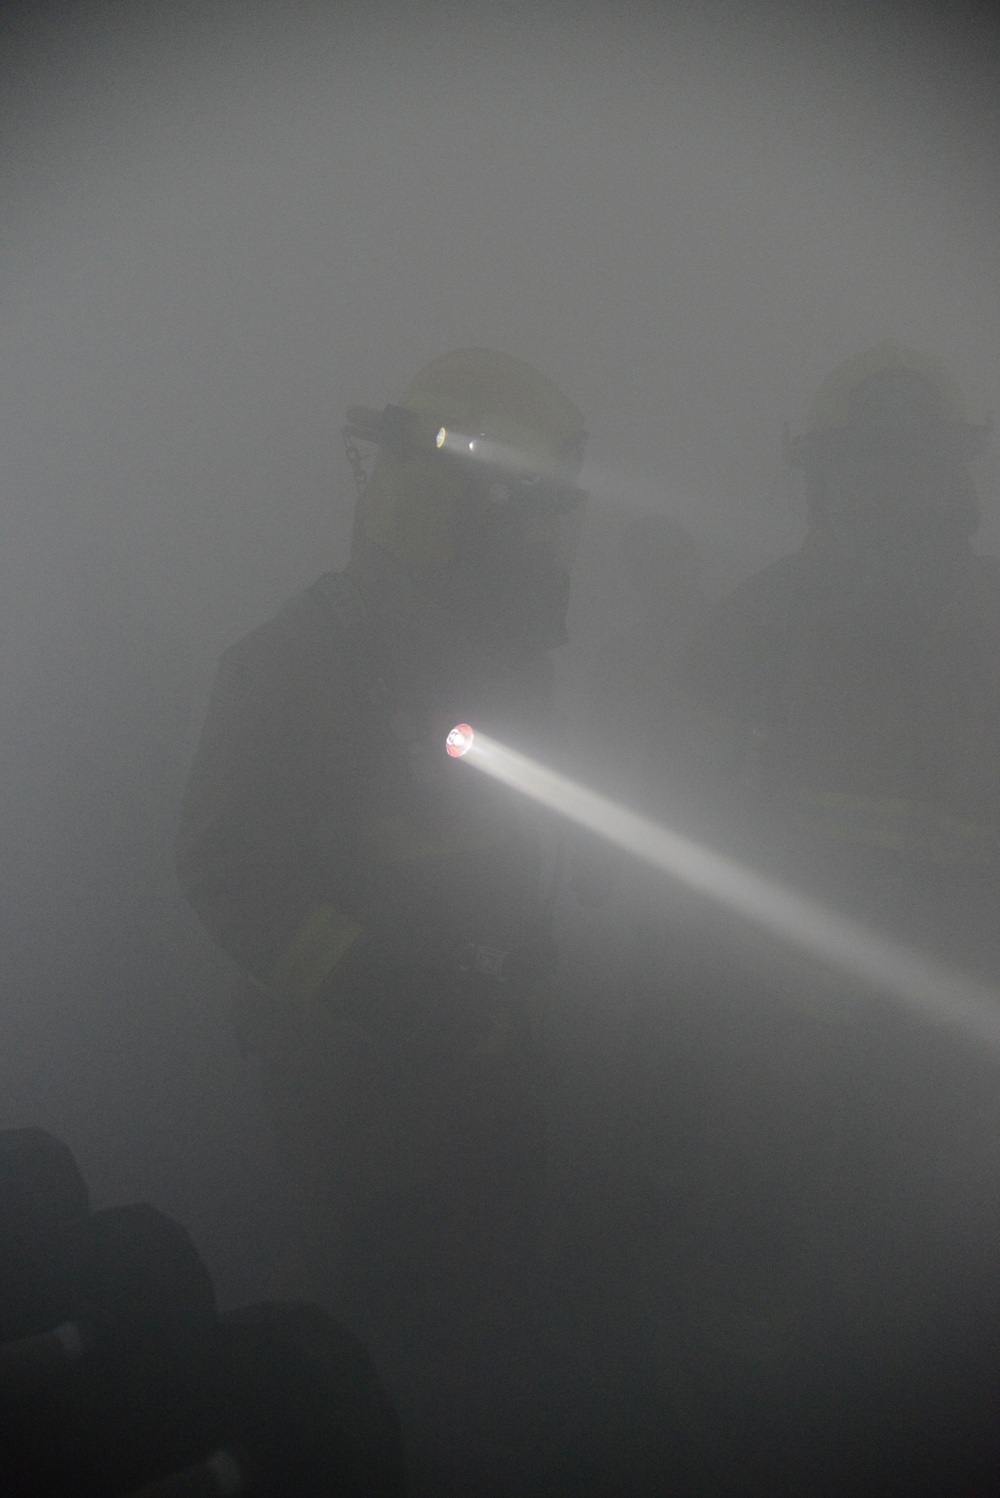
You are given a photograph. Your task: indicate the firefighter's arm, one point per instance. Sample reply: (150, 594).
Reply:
(243, 855)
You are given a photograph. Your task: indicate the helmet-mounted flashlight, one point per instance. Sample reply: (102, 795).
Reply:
(409, 434)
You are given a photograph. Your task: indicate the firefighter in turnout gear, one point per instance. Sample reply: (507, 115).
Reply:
(848, 695)
(854, 685)
(847, 707)
(381, 900)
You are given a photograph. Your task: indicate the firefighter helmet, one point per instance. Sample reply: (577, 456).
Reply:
(474, 490)
(887, 398)
(471, 418)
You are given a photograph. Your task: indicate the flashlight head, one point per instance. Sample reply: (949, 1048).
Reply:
(459, 740)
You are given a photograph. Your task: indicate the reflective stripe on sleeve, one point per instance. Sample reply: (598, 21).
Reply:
(316, 949)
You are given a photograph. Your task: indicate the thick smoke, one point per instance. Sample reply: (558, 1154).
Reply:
(223, 225)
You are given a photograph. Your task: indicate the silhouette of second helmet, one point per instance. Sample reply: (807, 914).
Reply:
(892, 420)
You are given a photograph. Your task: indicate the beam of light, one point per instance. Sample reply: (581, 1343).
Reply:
(517, 461)
(854, 949)
(641, 492)
(483, 450)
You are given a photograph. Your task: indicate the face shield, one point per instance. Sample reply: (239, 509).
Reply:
(516, 535)
(507, 518)
(887, 494)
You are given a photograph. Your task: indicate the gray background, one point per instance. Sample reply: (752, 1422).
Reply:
(222, 225)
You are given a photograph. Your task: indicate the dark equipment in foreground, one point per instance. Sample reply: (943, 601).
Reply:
(118, 1377)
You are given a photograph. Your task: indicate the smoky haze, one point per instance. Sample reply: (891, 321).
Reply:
(226, 224)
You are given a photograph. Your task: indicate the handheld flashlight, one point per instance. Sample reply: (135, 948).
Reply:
(459, 741)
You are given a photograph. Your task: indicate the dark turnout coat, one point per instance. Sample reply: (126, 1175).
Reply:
(876, 736)
(381, 898)
(321, 782)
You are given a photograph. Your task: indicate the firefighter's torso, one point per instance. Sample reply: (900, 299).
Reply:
(434, 859)
(877, 739)
(448, 857)
(882, 738)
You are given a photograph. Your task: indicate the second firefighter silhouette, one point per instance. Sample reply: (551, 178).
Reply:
(854, 683)
(380, 897)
